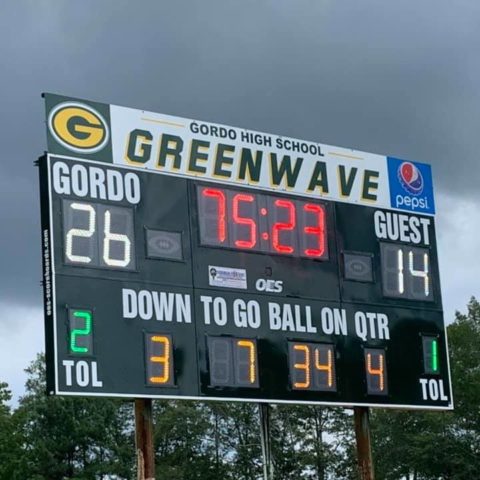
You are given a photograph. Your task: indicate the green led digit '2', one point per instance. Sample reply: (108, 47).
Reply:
(87, 316)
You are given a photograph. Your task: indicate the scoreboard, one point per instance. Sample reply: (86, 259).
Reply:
(166, 285)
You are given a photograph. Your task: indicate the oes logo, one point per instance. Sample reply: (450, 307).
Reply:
(263, 285)
(78, 127)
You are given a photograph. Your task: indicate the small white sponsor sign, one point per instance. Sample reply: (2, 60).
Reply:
(227, 277)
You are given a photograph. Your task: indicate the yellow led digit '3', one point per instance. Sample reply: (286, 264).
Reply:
(303, 366)
(163, 360)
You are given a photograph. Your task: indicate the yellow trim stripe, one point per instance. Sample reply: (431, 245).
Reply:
(163, 122)
(346, 156)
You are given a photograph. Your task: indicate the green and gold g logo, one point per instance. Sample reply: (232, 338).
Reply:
(78, 127)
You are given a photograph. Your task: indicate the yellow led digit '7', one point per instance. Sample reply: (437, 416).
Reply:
(251, 355)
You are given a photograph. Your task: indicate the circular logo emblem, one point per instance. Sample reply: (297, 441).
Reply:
(78, 127)
(411, 178)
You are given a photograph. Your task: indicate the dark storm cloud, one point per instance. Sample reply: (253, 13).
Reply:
(388, 77)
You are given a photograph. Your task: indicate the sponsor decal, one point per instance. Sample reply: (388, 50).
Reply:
(78, 127)
(227, 277)
(411, 186)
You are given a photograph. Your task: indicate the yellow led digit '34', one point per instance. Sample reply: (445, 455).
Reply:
(312, 366)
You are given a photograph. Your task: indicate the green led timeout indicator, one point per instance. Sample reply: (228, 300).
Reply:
(80, 341)
(431, 364)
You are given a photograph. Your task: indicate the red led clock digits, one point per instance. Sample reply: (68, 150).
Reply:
(244, 221)
(318, 230)
(286, 226)
(256, 222)
(221, 211)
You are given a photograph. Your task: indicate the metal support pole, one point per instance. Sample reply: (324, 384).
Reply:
(364, 448)
(264, 409)
(144, 439)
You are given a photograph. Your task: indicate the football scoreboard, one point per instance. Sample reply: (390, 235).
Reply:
(184, 259)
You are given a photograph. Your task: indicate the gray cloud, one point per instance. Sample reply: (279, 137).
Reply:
(388, 77)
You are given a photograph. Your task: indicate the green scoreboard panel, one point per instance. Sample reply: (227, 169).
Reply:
(160, 286)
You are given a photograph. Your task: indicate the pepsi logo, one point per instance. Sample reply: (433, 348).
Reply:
(410, 178)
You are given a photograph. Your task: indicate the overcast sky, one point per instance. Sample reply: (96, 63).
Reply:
(398, 78)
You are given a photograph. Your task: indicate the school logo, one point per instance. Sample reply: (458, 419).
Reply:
(411, 186)
(78, 127)
(410, 178)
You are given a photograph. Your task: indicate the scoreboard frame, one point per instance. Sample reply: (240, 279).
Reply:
(62, 309)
